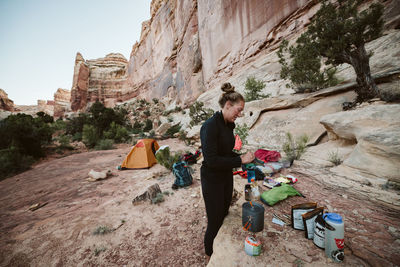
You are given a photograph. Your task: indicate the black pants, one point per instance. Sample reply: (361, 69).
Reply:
(217, 199)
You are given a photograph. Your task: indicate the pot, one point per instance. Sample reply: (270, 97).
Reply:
(253, 216)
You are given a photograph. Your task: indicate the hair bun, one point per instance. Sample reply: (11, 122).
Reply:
(227, 88)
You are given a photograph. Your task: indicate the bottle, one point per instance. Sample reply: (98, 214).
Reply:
(247, 192)
(254, 190)
(334, 236)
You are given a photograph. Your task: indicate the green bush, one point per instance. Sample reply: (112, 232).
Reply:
(27, 134)
(102, 230)
(117, 133)
(198, 113)
(104, 144)
(158, 198)
(137, 127)
(65, 142)
(46, 118)
(90, 135)
(59, 125)
(155, 100)
(12, 162)
(148, 125)
(172, 130)
(147, 113)
(334, 158)
(75, 125)
(253, 89)
(166, 158)
(77, 137)
(294, 149)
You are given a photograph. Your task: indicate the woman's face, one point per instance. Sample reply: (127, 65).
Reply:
(233, 110)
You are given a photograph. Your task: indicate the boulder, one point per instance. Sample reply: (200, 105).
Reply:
(6, 104)
(376, 130)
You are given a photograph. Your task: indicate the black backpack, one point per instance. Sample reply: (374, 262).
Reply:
(182, 175)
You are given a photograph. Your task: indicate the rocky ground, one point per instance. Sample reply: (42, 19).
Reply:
(61, 233)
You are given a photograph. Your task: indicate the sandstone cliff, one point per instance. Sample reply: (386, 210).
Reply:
(5, 103)
(100, 79)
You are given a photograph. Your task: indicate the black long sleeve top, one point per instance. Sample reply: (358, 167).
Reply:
(217, 142)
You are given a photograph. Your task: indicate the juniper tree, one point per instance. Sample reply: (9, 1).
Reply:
(338, 32)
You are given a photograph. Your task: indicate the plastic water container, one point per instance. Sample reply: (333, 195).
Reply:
(334, 236)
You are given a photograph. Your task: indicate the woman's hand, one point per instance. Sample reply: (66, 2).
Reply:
(247, 158)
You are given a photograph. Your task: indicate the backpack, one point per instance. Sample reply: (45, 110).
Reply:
(182, 175)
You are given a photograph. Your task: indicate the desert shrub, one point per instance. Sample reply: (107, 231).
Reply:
(155, 100)
(65, 142)
(170, 119)
(137, 127)
(12, 162)
(90, 135)
(198, 113)
(97, 251)
(75, 125)
(102, 230)
(148, 125)
(172, 130)
(147, 112)
(77, 137)
(45, 117)
(184, 138)
(59, 125)
(294, 149)
(158, 198)
(243, 132)
(334, 158)
(166, 158)
(26, 134)
(117, 133)
(253, 89)
(104, 144)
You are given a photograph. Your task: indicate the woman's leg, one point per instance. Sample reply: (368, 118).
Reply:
(213, 194)
(228, 191)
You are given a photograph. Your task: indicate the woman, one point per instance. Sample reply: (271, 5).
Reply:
(217, 142)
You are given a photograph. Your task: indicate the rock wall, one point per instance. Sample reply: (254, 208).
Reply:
(6, 103)
(167, 61)
(62, 102)
(100, 79)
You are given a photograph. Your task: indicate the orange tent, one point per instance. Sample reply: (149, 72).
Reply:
(141, 155)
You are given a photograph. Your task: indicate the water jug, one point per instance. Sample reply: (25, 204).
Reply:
(319, 232)
(253, 216)
(334, 236)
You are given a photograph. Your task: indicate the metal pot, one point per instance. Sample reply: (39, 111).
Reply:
(253, 216)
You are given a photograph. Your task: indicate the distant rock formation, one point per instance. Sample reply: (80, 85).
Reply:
(62, 102)
(6, 103)
(99, 79)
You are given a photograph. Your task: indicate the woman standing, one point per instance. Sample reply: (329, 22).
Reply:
(217, 142)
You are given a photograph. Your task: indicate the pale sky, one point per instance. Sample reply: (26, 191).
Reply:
(39, 40)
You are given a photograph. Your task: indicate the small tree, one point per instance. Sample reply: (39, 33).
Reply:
(198, 113)
(339, 32)
(253, 89)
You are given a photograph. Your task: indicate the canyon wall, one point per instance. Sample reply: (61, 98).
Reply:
(189, 47)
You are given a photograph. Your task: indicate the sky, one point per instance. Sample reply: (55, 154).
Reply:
(39, 40)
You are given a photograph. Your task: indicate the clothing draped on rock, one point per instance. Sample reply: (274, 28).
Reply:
(267, 155)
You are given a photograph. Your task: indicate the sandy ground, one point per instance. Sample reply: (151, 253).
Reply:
(61, 232)
(169, 233)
